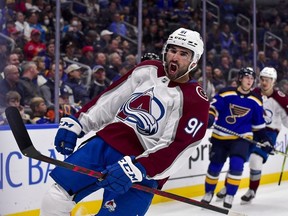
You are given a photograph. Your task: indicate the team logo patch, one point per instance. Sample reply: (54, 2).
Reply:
(236, 112)
(268, 115)
(281, 94)
(144, 110)
(201, 93)
(110, 205)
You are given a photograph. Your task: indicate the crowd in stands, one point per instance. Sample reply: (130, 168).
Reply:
(97, 35)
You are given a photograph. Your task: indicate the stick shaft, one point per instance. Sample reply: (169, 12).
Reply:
(283, 165)
(249, 140)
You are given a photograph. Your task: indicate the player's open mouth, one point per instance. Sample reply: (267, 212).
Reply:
(173, 68)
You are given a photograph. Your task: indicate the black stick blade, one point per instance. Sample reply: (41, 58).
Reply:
(19, 130)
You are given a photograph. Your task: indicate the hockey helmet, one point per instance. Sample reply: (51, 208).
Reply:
(188, 39)
(246, 72)
(268, 72)
(150, 56)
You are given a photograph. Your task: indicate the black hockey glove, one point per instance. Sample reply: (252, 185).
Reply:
(267, 147)
(266, 143)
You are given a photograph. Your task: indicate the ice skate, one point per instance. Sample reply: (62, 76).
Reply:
(207, 197)
(247, 197)
(221, 194)
(228, 200)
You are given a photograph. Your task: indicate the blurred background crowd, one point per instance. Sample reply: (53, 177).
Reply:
(98, 44)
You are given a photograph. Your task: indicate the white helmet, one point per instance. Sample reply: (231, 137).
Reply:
(268, 72)
(188, 39)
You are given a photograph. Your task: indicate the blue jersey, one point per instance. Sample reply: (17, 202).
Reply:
(237, 112)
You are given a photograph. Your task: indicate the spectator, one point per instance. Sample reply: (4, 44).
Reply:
(218, 78)
(283, 86)
(113, 46)
(87, 57)
(28, 80)
(35, 46)
(40, 63)
(80, 93)
(30, 6)
(92, 39)
(114, 64)
(13, 59)
(101, 59)
(225, 66)
(32, 19)
(13, 98)
(70, 52)
(123, 69)
(232, 82)
(22, 25)
(275, 61)
(261, 60)
(105, 38)
(212, 59)
(283, 74)
(227, 39)
(11, 83)
(210, 89)
(71, 26)
(99, 81)
(74, 33)
(117, 26)
(39, 110)
(131, 60)
(48, 89)
(49, 55)
(17, 37)
(244, 53)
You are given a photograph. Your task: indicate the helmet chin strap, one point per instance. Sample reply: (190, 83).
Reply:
(188, 71)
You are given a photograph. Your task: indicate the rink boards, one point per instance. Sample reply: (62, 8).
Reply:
(23, 181)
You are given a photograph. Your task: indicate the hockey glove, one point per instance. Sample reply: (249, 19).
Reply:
(266, 143)
(69, 130)
(120, 176)
(267, 147)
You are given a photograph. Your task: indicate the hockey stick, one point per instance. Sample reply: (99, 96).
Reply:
(283, 165)
(26, 147)
(249, 140)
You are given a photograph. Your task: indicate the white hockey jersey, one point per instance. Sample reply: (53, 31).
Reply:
(276, 109)
(146, 115)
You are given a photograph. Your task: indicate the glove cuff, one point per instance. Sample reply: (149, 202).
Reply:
(135, 172)
(71, 124)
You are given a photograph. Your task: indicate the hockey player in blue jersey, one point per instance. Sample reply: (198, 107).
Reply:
(147, 124)
(240, 110)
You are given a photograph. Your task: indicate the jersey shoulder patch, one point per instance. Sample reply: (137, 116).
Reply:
(281, 98)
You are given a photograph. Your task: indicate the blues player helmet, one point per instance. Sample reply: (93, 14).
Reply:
(245, 72)
(268, 72)
(150, 56)
(188, 39)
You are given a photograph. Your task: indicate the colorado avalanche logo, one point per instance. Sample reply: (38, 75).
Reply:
(268, 115)
(110, 205)
(144, 110)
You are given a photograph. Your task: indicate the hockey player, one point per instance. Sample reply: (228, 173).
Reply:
(240, 110)
(147, 122)
(275, 104)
